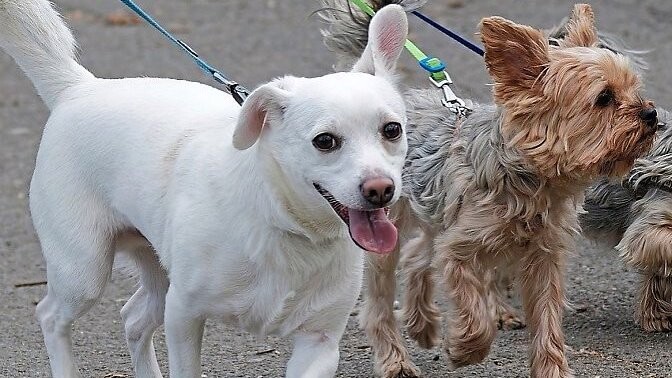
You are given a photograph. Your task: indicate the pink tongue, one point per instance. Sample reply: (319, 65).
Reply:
(371, 230)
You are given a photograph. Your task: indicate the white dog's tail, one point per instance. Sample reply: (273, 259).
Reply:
(34, 34)
(348, 27)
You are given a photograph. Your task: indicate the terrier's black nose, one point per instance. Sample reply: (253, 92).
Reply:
(650, 116)
(378, 191)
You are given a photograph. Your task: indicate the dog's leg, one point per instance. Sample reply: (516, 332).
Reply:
(471, 326)
(143, 313)
(316, 341)
(421, 315)
(377, 318)
(542, 284)
(315, 354)
(76, 278)
(647, 247)
(184, 336)
(655, 305)
(56, 322)
(507, 317)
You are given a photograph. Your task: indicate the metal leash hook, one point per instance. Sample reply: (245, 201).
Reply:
(440, 78)
(237, 91)
(449, 97)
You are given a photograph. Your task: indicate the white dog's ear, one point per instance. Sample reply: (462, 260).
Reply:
(387, 34)
(265, 105)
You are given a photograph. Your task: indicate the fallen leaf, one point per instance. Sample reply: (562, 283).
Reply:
(78, 15)
(121, 18)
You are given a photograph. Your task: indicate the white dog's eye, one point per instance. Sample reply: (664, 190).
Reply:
(326, 142)
(391, 131)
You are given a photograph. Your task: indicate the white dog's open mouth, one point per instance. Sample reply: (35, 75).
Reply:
(371, 230)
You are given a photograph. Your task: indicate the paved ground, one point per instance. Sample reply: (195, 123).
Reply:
(255, 41)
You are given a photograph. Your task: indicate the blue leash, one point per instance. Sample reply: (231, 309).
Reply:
(464, 42)
(237, 91)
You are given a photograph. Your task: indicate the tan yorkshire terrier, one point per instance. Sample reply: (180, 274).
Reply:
(634, 214)
(497, 189)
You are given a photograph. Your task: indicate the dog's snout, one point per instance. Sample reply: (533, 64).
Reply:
(649, 116)
(378, 191)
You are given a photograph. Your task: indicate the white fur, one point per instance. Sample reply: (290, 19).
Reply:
(148, 167)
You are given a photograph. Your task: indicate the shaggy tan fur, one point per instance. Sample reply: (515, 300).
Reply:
(497, 191)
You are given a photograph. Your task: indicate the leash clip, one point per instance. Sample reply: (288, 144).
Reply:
(237, 91)
(440, 78)
(450, 99)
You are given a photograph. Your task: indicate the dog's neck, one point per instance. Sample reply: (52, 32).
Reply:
(526, 191)
(499, 172)
(563, 183)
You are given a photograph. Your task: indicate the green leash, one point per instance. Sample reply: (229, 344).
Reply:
(436, 68)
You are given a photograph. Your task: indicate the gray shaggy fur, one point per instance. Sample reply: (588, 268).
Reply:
(656, 166)
(607, 211)
(441, 146)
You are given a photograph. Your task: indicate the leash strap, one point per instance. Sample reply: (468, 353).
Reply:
(463, 41)
(237, 91)
(438, 75)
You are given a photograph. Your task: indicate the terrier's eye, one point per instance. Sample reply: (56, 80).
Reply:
(326, 142)
(391, 131)
(605, 98)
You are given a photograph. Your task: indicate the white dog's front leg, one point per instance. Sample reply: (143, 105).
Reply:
(315, 355)
(184, 334)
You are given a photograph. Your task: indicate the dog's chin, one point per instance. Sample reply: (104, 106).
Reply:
(370, 229)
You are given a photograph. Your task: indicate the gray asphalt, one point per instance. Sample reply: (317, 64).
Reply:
(255, 41)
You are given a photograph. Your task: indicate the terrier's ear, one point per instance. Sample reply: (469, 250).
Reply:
(264, 105)
(581, 30)
(387, 35)
(516, 56)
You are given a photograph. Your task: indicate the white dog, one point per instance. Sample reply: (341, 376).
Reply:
(238, 214)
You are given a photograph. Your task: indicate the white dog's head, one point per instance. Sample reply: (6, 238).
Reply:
(338, 141)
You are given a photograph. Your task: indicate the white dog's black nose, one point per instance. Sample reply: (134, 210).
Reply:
(378, 191)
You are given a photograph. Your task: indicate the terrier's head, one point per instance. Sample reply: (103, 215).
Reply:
(574, 110)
